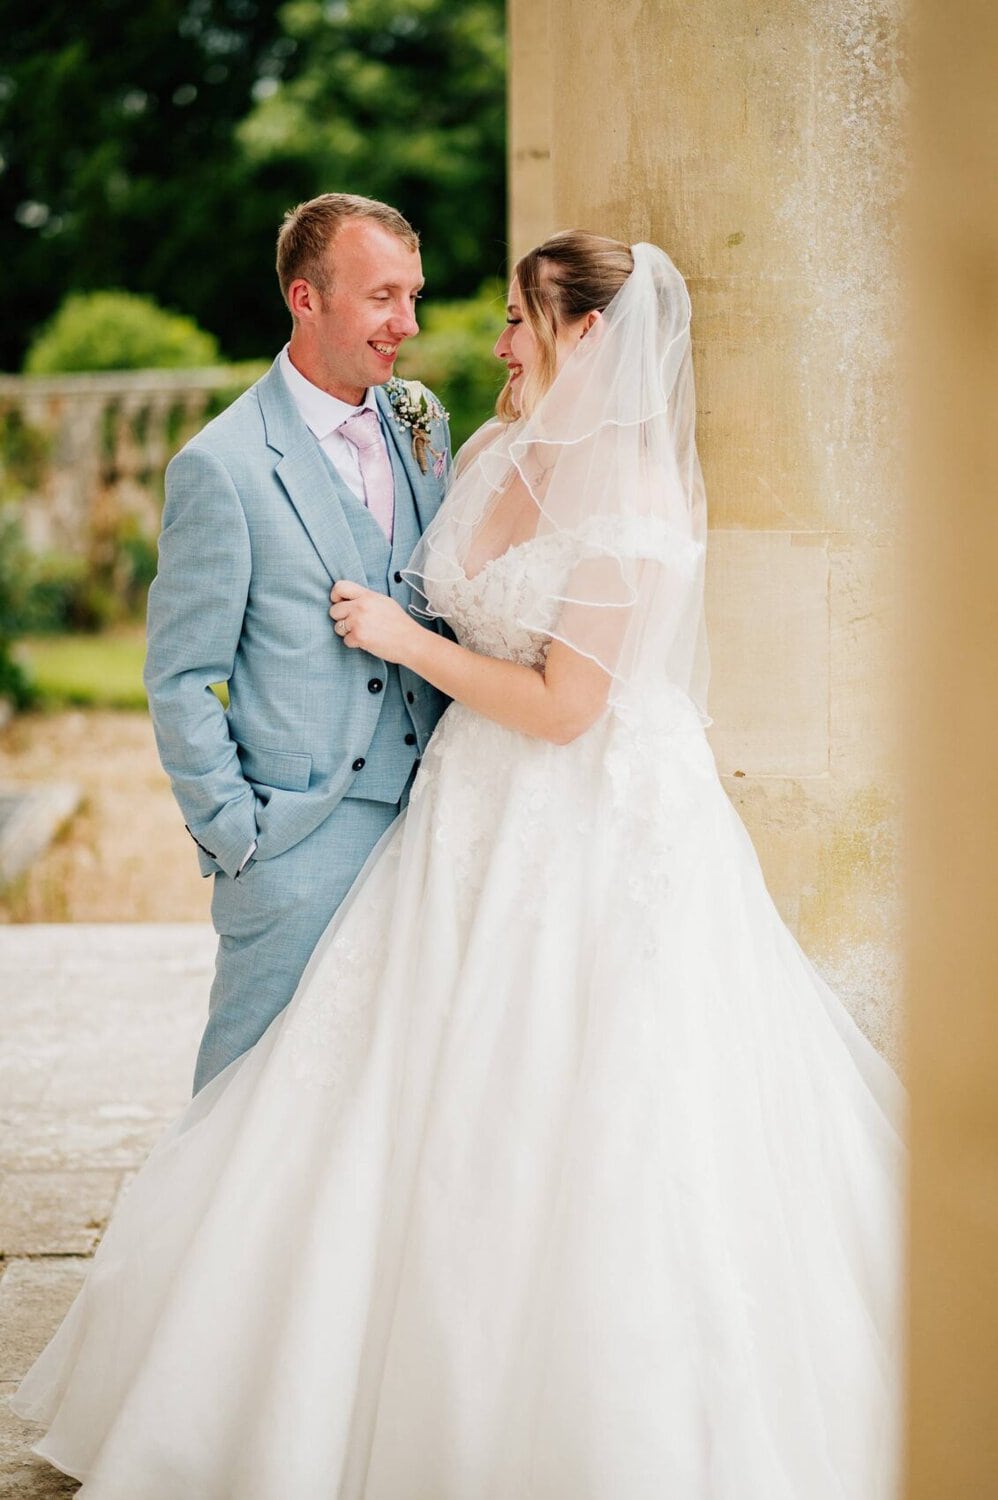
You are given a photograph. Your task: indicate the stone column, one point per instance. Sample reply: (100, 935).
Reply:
(759, 143)
(952, 722)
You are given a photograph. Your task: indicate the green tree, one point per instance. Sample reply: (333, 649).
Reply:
(156, 146)
(402, 100)
(119, 164)
(118, 331)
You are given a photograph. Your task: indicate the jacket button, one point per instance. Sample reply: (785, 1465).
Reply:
(375, 685)
(358, 764)
(410, 697)
(398, 577)
(410, 738)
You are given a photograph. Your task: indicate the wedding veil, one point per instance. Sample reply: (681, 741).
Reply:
(609, 458)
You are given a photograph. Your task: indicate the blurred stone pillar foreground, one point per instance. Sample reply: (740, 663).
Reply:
(952, 609)
(760, 144)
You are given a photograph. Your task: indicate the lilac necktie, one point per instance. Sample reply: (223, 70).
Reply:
(364, 430)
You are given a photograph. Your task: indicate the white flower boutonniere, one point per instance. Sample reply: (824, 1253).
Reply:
(414, 408)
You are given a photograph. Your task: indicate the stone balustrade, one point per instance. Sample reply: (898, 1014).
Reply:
(81, 454)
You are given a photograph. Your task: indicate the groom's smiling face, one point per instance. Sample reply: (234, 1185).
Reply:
(348, 333)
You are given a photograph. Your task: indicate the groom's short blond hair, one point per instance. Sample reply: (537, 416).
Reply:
(308, 231)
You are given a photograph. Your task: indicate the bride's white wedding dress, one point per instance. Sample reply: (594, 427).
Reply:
(563, 1177)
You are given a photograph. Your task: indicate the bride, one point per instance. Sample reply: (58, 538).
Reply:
(564, 1176)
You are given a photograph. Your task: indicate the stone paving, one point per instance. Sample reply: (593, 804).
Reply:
(99, 1025)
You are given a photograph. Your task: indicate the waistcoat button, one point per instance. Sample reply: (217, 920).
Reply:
(375, 685)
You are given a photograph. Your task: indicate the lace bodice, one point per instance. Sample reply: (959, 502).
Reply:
(485, 612)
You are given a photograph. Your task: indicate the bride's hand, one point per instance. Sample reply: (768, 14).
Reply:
(371, 622)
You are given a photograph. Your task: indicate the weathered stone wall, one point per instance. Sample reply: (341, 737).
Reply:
(760, 144)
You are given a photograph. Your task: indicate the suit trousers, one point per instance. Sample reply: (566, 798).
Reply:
(269, 920)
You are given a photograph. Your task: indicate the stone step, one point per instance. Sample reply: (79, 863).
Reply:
(101, 1025)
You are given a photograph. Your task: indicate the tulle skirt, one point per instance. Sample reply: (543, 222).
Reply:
(563, 1177)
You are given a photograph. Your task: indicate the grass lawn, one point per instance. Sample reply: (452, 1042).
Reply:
(91, 671)
(98, 671)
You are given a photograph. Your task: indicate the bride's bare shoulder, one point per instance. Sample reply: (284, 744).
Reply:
(478, 441)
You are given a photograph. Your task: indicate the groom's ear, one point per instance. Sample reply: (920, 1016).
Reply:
(303, 298)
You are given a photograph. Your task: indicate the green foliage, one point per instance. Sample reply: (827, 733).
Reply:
(138, 560)
(48, 595)
(156, 146)
(24, 452)
(118, 331)
(453, 356)
(65, 594)
(15, 684)
(122, 565)
(103, 671)
(402, 100)
(70, 593)
(117, 128)
(43, 598)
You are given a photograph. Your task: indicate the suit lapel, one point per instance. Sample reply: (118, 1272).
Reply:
(309, 480)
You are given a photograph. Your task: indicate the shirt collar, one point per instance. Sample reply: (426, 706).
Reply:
(321, 412)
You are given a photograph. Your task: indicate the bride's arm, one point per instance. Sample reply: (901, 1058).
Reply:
(557, 704)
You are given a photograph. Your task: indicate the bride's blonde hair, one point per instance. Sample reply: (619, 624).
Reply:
(571, 274)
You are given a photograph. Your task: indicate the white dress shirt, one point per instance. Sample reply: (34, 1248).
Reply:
(324, 415)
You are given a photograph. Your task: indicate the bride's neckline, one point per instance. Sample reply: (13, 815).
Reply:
(498, 557)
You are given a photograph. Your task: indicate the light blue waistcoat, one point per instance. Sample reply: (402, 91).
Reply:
(386, 770)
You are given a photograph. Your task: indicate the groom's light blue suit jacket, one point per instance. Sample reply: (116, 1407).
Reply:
(256, 528)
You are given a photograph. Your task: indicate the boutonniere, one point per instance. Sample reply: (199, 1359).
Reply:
(414, 408)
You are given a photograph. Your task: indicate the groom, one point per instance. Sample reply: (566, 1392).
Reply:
(309, 477)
